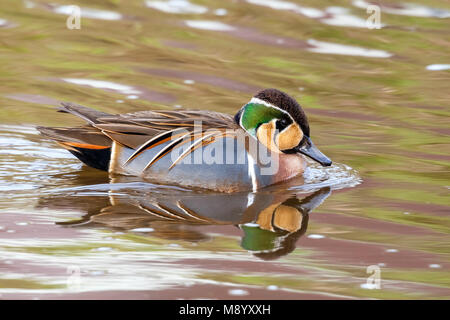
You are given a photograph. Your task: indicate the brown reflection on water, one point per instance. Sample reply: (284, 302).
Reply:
(271, 224)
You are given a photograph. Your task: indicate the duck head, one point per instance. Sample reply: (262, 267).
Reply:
(278, 121)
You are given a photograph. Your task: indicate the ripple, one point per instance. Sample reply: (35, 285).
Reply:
(337, 176)
(221, 12)
(7, 24)
(316, 236)
(101, 84)
(406, 9)
(142, 230)
(103, 249)
(24, 162)
(369, 286)
(152, 270)
(339, 16)
(310, 45)
(335, 48)
(289, 6)
(238, 292)
(130, 92)
(16, 186)
(176, 6)
(89, 13)
(209, 25)
(335, 16)
(106, 188)
(438, 67)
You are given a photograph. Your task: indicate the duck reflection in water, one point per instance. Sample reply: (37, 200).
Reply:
(271, 222)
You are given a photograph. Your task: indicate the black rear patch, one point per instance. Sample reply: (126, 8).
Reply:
(95, 158)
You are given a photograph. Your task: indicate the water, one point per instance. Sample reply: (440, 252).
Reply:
(377, 100)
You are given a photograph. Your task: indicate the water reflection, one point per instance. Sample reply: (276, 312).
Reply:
(279, 226)
(271, 223)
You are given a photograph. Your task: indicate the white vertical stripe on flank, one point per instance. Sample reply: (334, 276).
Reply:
(113, 158)
(251, 171)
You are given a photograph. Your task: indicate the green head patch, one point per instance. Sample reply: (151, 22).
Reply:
(255, 114)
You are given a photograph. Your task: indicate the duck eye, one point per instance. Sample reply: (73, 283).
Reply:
(281, 124)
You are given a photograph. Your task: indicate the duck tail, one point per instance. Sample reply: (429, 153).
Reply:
(87, 114)
(87, 143)
(97, 158)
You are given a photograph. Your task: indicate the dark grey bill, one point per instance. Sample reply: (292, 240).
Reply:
(310, 150)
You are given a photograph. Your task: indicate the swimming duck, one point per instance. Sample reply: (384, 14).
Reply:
(261, 145)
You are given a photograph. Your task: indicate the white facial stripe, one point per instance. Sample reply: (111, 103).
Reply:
(260, 101)
(267, 104)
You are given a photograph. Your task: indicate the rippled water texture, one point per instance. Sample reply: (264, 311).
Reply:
(378, 106)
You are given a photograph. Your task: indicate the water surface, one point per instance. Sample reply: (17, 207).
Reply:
(377, 102)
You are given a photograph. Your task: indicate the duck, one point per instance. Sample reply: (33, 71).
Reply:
(264, 143)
